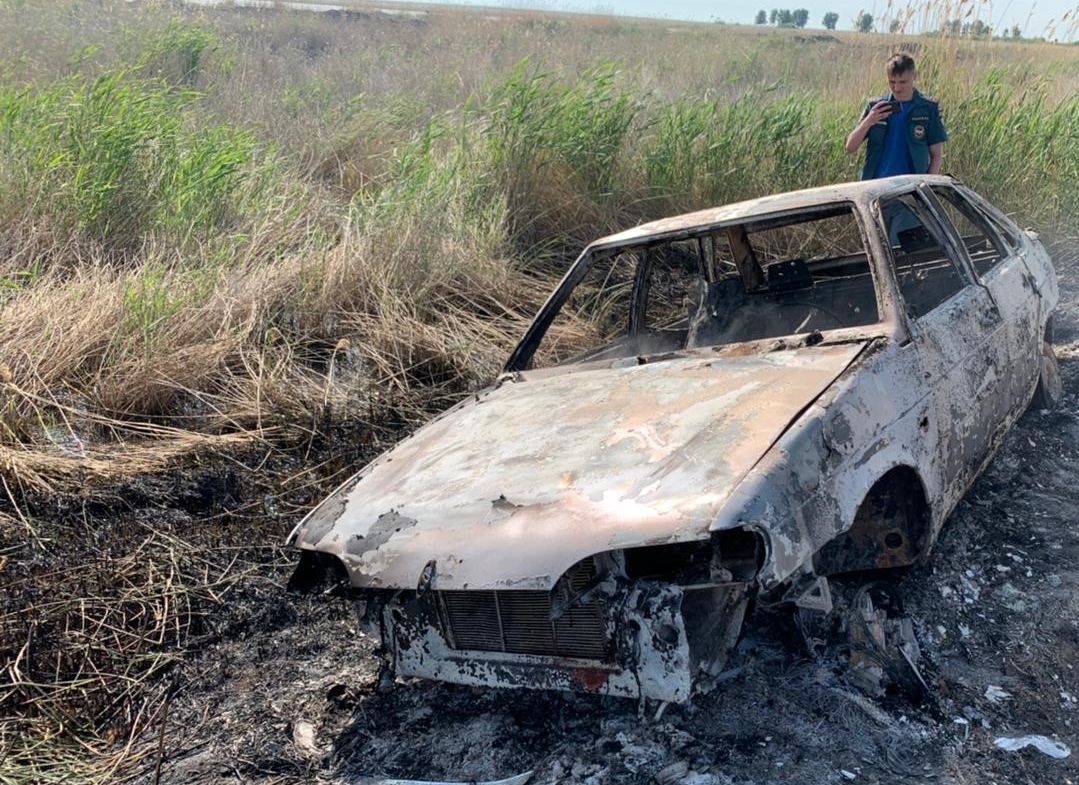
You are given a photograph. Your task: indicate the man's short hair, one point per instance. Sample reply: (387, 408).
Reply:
(900, 63)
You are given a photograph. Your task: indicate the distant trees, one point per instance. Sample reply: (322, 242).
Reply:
(762, 17)
(975, 29)
(863, 23)
(785, 17)
(831, 19)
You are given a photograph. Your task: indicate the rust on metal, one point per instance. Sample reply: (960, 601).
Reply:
(828, 372)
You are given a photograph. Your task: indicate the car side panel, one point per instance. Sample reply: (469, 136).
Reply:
(1043, 279)
(884, 418)
(962, 345)
(1017, 346)
(807, 490)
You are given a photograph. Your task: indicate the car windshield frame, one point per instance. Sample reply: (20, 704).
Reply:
(858, 208)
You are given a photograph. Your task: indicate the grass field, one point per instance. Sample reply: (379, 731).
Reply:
(227, 234)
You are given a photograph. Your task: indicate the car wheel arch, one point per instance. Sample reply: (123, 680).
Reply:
(892, 526)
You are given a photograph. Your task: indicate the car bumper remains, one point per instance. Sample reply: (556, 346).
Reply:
(646, 640)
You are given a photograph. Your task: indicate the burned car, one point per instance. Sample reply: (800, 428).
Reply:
(711, 411)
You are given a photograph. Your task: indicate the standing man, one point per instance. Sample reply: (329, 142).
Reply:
(904, 130)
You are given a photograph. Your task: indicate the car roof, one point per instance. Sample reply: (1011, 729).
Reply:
(776, 203)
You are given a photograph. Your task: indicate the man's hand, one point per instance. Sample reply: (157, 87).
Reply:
(936, 156)
(879, 112)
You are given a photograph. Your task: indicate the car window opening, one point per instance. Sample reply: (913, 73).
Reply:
(803, 273)
(926, 273)
(984, 247)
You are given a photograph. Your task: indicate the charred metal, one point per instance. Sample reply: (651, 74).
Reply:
(653, 622)
(710, 412)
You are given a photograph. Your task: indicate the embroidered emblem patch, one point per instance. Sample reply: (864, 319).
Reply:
(919, 132)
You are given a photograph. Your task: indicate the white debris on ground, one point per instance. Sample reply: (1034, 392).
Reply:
(1054, 749)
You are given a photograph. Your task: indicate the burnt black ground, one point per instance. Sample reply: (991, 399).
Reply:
(290, 696)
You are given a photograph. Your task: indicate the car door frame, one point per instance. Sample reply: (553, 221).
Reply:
(948, 367)
(1017, 344)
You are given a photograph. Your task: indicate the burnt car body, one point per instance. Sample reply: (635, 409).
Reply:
(710, 411)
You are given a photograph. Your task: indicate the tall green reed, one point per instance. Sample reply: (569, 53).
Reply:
(117, 158)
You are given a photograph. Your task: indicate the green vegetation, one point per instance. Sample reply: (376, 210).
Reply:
(115, 159)
(784, 17)
(231, 229)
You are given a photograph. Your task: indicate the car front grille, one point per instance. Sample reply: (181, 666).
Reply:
(519, 622)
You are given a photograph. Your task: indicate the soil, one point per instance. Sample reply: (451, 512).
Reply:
(290, 695)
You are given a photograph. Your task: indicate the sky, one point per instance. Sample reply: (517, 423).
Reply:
(1032, 17)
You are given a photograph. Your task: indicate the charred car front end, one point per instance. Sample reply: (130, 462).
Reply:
(710, 412)
(625, 623)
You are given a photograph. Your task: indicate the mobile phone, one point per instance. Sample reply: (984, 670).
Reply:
(893, 107)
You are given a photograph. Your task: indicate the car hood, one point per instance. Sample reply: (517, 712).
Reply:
(512, 487)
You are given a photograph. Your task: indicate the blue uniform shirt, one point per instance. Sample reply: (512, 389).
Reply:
(919, 124)
(895, 159)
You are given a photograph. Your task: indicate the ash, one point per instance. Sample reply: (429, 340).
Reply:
(292, 697)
